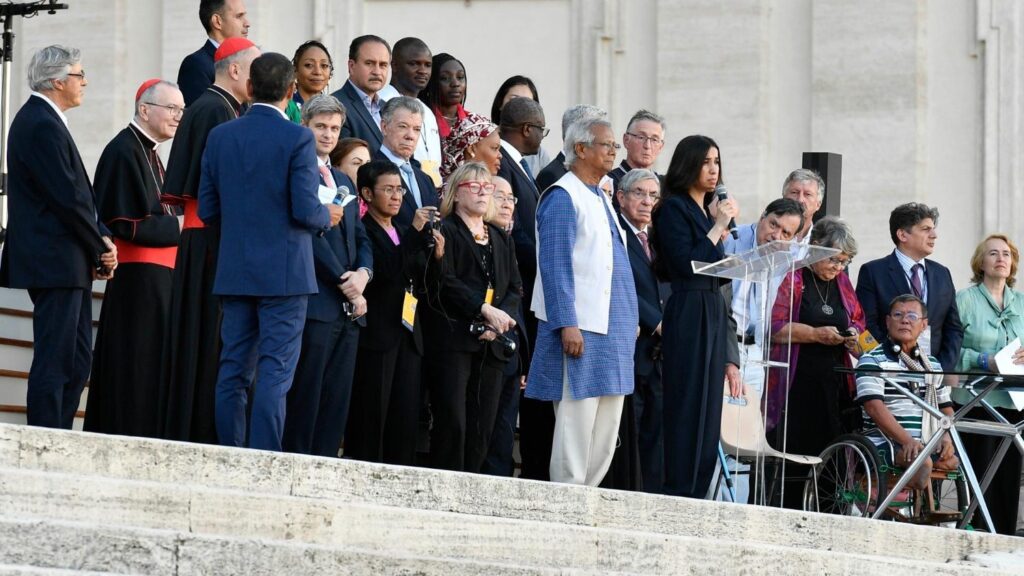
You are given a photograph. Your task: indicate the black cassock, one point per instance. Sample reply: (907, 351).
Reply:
(192, 348)
(124, 387)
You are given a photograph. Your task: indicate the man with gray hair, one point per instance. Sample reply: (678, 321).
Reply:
(55, 245)
(643, 141)
(193, 345)
(319, 398)
(123, 394)
(556, 168)
(401, 124)
(585, 299)
(808, 188)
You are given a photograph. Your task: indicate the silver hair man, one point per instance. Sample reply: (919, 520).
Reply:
(392, 106)
(579, 112)
(51, 63)
(581, 132)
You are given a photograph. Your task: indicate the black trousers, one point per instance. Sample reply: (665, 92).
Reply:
(385, 405)
(647, 403)
(465, 388)
(318, 400)
(499, 461)
(61, 355)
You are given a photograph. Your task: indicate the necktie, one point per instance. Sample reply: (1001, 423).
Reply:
(642, 236)
(410, 183)
(325, 173)
(526, 167)
(915, 281)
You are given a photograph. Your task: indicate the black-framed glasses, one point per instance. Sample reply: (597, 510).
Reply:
(80, 75)
(911, 317)
(544, 130)
(654, 141)
(175, 111)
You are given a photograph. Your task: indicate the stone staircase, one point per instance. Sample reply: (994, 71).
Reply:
(77, 503)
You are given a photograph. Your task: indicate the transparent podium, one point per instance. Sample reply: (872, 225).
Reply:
(743, 422)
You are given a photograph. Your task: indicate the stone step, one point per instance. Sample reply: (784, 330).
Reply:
(391, 531)
(272, 474)
(22, 570)
(84, 548)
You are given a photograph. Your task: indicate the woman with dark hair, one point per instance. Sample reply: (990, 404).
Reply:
(445, 93)
(515, 87)
(386, 390)
(694, 327)
(348, 155)
(313, 70)
(471, 300)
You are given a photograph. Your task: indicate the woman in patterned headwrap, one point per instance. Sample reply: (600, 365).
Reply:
(473, 139)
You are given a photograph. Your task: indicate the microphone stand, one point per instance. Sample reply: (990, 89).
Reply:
(7, 13)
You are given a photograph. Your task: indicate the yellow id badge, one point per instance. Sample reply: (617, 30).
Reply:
(409, 311)
(430, 168)
(490, 295)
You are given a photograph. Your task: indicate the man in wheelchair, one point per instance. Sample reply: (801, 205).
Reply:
(898, 419)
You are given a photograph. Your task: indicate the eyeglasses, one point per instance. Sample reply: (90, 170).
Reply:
(506, 199)
(609, 145)
(641, 195)
(78, 74)
(478, 188)
(174, 110)
(654, 141)
(391, 190)
(544, 131)
(842, 264)
(911, 317)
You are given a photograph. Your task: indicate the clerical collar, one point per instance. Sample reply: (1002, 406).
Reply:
(147, 140)
(232, 101)
(53, 105)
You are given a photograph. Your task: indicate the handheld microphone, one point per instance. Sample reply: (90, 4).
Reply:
(339, 198)
(722, 192)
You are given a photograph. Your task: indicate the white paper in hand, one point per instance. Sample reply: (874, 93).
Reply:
(326, 194)
(1004, 359)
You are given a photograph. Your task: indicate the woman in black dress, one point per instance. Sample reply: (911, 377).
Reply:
(386, 389)
(694, 326)
(824, 308)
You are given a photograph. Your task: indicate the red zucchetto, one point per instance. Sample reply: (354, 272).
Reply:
(146, 86)
(230, 47)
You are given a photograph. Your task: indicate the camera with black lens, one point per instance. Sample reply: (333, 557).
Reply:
(433, 224)
(508, 345)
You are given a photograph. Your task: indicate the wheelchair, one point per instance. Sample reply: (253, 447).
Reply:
(855, 476)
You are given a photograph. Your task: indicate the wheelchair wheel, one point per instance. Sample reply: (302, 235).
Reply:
(849, 479)
(951, 495)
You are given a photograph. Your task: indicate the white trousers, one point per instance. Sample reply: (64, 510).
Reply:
(586, 432)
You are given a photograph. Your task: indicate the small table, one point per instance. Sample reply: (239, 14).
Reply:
(971, 389)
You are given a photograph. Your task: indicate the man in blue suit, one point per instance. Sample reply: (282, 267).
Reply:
(402, 123)
(638, 191)
(55, 245)
(259, 184)
(369, 58)
(908, 271)
(343, 258)
(222, 19)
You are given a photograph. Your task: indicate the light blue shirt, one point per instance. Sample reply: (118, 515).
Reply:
(408, 175)
(372, 104)
(906, 262)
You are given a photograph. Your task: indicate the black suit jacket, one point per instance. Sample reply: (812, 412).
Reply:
(879, 281)
(343, 248)
(54, 238)
(395, 269)
(358, 122)
(524, 231)
(196, 72)
(456, 289)
(651, 296)
(428, 193)
(552, 172)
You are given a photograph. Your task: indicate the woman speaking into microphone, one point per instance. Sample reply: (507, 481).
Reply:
(471, 299)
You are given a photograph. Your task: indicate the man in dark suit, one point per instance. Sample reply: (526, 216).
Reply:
(402, 123)
(908, 271)
(264, 278)
(369, 59)
(643, 141)
(55, 244)
(556, 168)
(343, 258)
(222, 19)
(638, 192)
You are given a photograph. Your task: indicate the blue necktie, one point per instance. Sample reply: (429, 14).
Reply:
(529, 175)
(411, 184)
